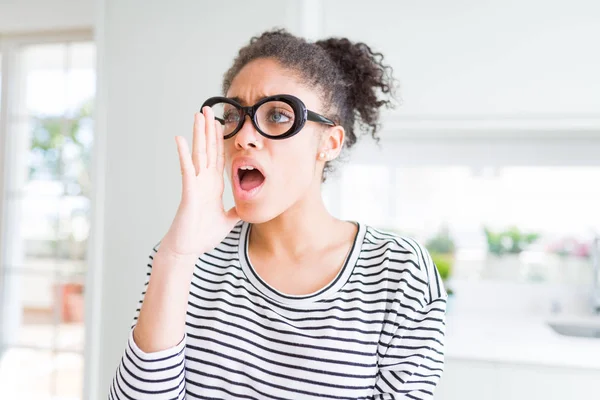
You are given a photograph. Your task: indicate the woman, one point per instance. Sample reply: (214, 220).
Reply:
(276, 298)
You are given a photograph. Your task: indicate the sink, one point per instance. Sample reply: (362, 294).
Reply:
(577, 329)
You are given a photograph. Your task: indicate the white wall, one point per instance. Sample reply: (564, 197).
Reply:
(158, 62)
(482, 58)
(18, 16)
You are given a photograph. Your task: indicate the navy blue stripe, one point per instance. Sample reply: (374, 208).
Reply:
(234, 395)
(422, 265)
(382, 377)
(393, 260)
(417, 348)
(386, 236)
(311, 328)
(143, 390)
(120, 388)
(389, 281)
(155, 360)
(154, 380)
(397, 291)
(268, 372)
(386, 247)
(233, 285)
(292, 309)
(233, 383)
(291, 344)
(235, 259)
(151, 369)
(273, 362)
(386, 251)
(397, 377)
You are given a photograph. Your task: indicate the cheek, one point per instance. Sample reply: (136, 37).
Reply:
(295, 162)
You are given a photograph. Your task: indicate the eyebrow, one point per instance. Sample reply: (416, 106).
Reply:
(243, 102)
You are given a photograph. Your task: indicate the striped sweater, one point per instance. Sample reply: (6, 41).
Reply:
(376, 331)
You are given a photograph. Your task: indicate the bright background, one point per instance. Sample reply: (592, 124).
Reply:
(499, 128)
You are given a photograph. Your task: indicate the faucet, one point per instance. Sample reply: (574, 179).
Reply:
(596, 275)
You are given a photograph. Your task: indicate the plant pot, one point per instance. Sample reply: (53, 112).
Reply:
(506, 267)
(72, 302)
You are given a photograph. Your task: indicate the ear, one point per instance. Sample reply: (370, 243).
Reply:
(331, 143)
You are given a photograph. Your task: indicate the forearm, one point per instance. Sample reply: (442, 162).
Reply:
(165, 303)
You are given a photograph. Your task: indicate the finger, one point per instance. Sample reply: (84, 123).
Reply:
(211, 140)
(220, 146)
(185, 162)
(199, 143)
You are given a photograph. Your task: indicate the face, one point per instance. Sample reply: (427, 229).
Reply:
(285, 171)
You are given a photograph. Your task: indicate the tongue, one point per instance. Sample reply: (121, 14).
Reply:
(251, 179)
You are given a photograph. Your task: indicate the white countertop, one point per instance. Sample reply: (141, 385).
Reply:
(518, 340)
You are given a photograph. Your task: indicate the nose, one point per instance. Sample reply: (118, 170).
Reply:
(248, 137)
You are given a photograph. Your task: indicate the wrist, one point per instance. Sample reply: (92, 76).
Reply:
(173, 261)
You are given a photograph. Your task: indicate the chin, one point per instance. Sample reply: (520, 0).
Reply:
(255, 213)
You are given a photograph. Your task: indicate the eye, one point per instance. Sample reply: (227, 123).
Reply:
(231, 116)
(279, 116)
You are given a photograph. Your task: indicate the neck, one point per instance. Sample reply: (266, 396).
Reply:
(305, 226)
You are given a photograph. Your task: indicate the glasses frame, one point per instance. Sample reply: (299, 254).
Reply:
(296, 104)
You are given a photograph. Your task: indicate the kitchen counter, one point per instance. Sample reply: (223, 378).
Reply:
(518, 340)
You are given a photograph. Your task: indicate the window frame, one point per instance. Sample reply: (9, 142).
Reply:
(474, 147)
(10, 45)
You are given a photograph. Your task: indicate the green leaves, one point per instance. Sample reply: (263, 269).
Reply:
(510, 241)
(54, 139)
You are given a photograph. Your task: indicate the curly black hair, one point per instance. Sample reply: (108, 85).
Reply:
(354, 82)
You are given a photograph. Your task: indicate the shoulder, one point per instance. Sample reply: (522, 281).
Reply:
(405, 256)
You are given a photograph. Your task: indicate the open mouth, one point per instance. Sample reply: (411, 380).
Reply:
(250, 178)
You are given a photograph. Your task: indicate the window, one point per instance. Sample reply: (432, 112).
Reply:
(506, 221)
(46, 210)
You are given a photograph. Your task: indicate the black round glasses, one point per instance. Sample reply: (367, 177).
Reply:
(275, 117)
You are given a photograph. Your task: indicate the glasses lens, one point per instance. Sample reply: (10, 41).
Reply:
(275, 118)
(228, 115)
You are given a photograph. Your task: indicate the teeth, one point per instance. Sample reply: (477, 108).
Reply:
(248, 168)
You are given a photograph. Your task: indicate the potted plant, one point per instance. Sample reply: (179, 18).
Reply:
(572, 257)
(504, 248)
(72, 302)
(441, 247)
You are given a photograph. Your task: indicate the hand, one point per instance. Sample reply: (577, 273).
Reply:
(201, 221)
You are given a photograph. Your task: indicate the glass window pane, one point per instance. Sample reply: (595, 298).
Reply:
(540, 221)
(40, 375)
(26, 374)
(46, 200)
(43, 309)
(81, 77)
(45, 79)
(69, 376)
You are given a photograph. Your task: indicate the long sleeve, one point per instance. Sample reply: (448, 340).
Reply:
(414, 359)
(411, 359)
(149, 376)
